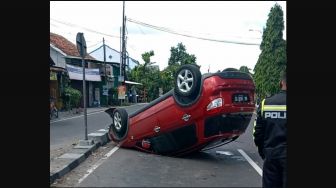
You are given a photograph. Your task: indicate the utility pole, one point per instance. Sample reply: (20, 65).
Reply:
(123, 40)
(105, 71)
(120, 52)
(126, 61)
(123, 47)
(120, 33)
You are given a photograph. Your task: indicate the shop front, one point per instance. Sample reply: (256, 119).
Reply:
(93, 84)
(56, 85)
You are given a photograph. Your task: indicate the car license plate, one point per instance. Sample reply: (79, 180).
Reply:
(240, 98)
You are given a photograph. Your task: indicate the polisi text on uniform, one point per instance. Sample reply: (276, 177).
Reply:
(275, 115)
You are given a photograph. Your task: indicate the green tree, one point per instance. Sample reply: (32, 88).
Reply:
(152, 78)
(167, 77)
(73, 97)
(180, 56)
(272, 59)
(146, 57)
(148, 75)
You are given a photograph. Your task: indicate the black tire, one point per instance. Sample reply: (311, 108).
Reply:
(230, 69)
(119, 127)
(187, 80)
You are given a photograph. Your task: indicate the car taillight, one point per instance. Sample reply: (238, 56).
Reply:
(145, 144)
(215, 104)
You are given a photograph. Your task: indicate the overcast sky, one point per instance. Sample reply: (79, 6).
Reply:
(233, 21)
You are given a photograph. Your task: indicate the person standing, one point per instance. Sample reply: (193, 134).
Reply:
(270, 137)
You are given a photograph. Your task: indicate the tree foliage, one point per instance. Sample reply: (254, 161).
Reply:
(148, 74)
(152, 78)
(178, 57)
(272, 59)
(73, 97)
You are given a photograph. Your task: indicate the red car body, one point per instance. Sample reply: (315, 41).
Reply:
(177, 125)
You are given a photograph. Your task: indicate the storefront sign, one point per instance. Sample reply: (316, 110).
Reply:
(120, 78)
(76, 73)
(121, 92)
(53, 76)
(105, 90)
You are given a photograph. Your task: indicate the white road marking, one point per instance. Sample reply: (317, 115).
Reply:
(224, 152)
(75, 117)
(91, 114)
(111, 152)
(89, 171)
(252, 163)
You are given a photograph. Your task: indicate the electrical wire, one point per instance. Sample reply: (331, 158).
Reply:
(94, 44)
(87, 29)
(190, 36)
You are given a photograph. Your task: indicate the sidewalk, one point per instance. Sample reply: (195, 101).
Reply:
(61, 165)
(63, 161)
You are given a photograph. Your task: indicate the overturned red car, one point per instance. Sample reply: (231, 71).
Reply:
(200, 113)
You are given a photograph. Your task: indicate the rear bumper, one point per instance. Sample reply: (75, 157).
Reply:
(226, 123)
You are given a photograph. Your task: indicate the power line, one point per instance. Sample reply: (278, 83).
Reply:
(87, 29)
(94, 44)
(141, 30)
(108, 41)
(174, 32)
(190, 36)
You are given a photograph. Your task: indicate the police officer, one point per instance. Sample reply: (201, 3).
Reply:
(270, 136)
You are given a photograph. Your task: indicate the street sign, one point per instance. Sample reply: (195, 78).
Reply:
(105, 90)
(81, 47)
(121, 78)
(81, 44)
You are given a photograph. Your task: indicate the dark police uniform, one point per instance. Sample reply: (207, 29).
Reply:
(270, 136)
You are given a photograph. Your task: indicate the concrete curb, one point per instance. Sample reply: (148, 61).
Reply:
(68, 161)
(100, 136)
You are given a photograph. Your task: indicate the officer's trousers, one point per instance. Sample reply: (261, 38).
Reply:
(275, 170)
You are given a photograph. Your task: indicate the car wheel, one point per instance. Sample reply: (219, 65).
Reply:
(187, 80)
(119, 127)
(230, 69)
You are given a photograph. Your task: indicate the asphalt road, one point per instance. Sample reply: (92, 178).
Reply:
(65, 132)
(233, 165)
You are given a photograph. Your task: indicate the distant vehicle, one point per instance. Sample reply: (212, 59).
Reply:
(200, 113)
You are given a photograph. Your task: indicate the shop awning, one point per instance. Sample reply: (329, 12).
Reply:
(134, 83)
(57, 69)
(76, 73)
